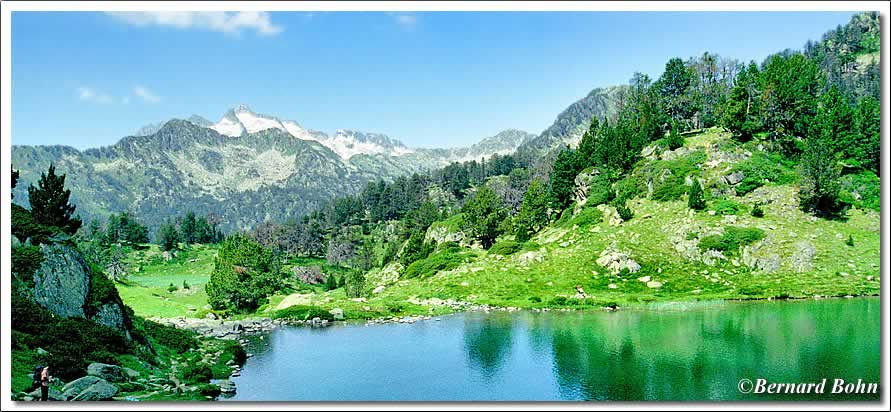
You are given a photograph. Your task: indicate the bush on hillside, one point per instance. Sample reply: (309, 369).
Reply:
(730, 241)
(763, 167)
(505, 248)
(176, 339)
(439, 261)
(587, 217)
(302, 312)
(726, 207)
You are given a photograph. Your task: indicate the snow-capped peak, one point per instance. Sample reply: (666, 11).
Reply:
(345, 143)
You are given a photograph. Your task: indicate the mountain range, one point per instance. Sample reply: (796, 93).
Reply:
(250, 167)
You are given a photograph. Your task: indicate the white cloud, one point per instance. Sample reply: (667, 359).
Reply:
(92, 95)
(407, 20)
(145, 94)
(222, 21)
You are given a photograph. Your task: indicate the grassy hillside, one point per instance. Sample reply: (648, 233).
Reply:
(789, 253)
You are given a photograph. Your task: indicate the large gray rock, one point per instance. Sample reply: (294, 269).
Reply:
(111, 315)
(337, 313)
(52, 394)
(111, 373)
(62, 281)
(99, 391)
(77, 386)
(616, 260)
(803, 259)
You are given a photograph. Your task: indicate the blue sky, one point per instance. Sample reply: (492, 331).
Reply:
(431, 79)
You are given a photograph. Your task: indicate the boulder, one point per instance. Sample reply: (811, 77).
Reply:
(130, 373)
(111, 373)
(226, 386)
(41, 351)
(111, 315)
(616, 261)
(62, 282)
(99, 391)
(309, 274)
(52, 394)
(337, 313)
(803, 258)
(75, 387)
(654, 285)
(378, 289)
(733, 178)
(210, 315)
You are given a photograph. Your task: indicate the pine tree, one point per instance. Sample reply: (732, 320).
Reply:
(187, 228)
(695, 200)
(869, 134)
(674, 87)
(49, 203)
(835, 121)
(168, 237)
(483, 215)
(819, 191)
(533, 213)
(741, 113)
(563, 179)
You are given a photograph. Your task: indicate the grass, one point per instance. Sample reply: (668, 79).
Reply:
(146, 288)
(544, 272)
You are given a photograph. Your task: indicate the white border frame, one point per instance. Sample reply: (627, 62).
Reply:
(6, 130)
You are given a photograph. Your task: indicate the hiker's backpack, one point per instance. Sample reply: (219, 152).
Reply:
(36, 377)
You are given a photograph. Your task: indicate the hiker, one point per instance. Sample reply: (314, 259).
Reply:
(580, 292)
(44, 383)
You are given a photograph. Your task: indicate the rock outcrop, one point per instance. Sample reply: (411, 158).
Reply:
(616, 260)
(62, 282)
(111, 373)
(99, 391)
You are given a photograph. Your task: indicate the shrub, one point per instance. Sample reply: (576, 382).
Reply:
(863, 190)
(354, 283)
(672, 188)
(763, 167)
(395, 307)
(186, 285)
(439, 261)
(171, 288)
(505, 248)
(624, 211)
(757, 211)
(244, 274)
(198, 373)
(587, 217)
(726, 207)
(732, 238)
(695, 200)
(178, 340)
(209, 389)
(302, 312)
(535, 299)
(629, 188)
(25, 261)
(558, 301)
(600, 192)
(850, 241)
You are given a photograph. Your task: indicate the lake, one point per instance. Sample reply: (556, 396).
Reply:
(679, 352)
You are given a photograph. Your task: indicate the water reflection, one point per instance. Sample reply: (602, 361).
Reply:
(697, 354)
(487, 341)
